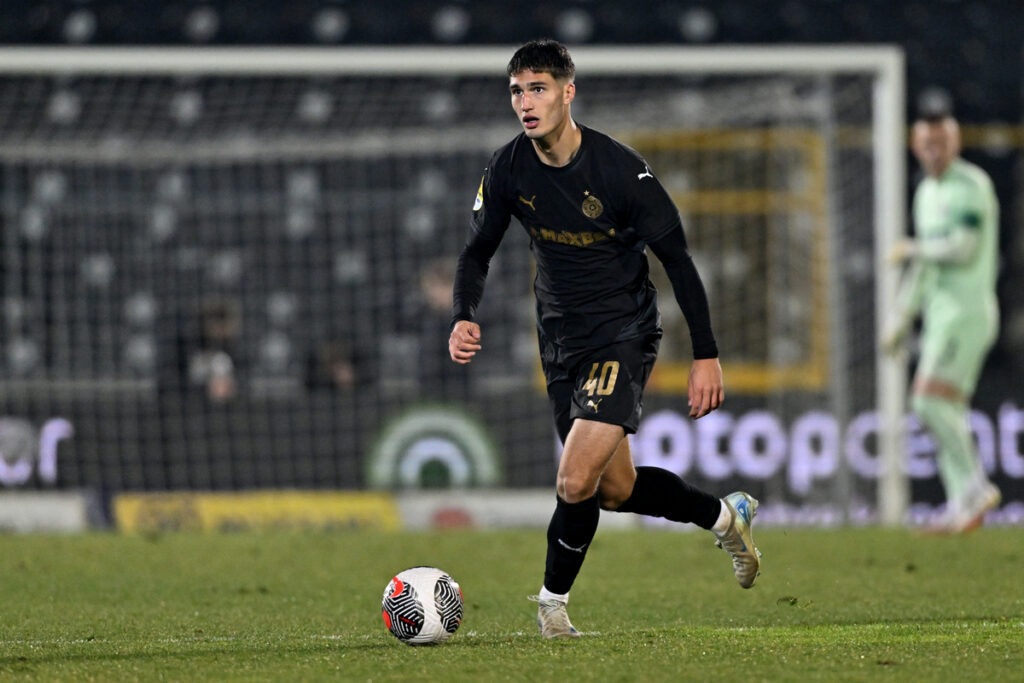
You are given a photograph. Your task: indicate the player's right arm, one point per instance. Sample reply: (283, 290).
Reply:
(958, 244)
(907, 306)
(955, 247)
(908, 298)
(491, 216)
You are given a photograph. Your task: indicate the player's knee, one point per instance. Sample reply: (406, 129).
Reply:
(919, 404)
(926, 405)
(610, 500)
(612, 494)
(572, 488)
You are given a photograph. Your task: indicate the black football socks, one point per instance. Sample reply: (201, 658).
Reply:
(660, 493)
(572, 528)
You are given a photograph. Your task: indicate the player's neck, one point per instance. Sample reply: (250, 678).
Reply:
(559, 147)
(937, 172)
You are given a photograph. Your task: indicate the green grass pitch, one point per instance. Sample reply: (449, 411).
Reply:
(847, 604)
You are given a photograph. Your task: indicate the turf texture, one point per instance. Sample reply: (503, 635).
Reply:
(844, 604)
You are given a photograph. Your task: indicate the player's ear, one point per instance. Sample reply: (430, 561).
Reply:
(917, 133)
(569, 94)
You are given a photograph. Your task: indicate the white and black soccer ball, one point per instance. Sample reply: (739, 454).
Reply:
(422, 606)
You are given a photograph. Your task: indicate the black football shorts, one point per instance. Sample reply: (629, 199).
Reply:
(604, 384)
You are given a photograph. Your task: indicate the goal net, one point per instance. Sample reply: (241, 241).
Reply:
(231, 269)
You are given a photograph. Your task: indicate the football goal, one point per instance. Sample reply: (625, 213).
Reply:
(227, 268)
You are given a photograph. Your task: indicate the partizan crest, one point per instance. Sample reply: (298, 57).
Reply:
(592, 207)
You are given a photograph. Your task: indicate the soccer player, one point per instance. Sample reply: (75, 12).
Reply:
(951, 283)
(591, 205)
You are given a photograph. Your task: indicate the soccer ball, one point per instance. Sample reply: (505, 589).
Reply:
(422, 606)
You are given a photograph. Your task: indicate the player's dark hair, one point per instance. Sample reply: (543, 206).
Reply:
(543, 56)
(934, 108)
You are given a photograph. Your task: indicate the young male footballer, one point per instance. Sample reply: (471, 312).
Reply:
(592, 206)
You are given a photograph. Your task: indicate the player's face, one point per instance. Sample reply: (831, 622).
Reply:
(541, 102)
(936, 144)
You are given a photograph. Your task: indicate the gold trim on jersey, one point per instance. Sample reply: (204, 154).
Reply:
(575, 239)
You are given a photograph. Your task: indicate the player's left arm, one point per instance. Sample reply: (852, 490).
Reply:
(706, 387)
(654, 216)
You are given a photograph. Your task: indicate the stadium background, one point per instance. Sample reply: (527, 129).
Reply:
(107, 267)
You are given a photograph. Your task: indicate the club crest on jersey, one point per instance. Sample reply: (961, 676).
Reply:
(479, 195)
(592, 207)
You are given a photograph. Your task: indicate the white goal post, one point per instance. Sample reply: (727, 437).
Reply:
(884, 65)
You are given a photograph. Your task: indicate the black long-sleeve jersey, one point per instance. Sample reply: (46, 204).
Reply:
(588, 222)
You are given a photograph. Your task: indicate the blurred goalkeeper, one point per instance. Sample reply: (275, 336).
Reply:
(950, 282)
(590, 206)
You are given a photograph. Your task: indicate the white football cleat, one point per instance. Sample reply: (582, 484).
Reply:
(970, 514)
(553, 620)
(738, 540)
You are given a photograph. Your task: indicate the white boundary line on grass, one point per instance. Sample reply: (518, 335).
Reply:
(234, 639)
(367, 636)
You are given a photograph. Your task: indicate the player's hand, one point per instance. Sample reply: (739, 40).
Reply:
(904, 250)
(895, 331)
(464, 341)
(705, 388)
(892, 340)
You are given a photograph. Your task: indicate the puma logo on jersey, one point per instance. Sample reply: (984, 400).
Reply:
(591, 404)
(528, 202)
(645, 174)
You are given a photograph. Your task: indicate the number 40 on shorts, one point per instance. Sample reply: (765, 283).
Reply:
(604, 383)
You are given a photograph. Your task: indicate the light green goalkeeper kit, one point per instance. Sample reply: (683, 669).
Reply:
(951, 283)
(956, 217)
